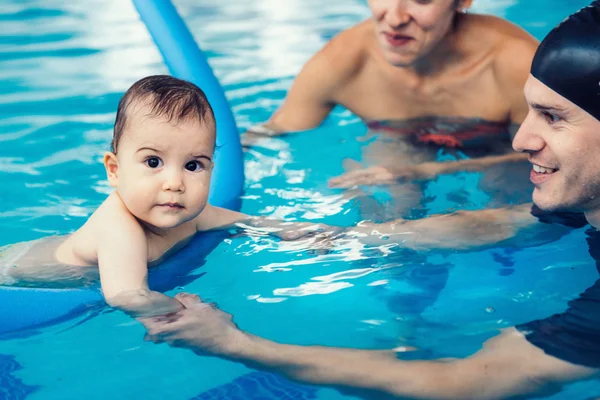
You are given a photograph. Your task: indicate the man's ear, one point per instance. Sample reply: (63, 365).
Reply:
(111, 164)
(466, 4)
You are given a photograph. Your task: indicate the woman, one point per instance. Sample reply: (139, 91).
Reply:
(424, 75)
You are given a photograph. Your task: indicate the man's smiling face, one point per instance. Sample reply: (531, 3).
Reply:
(563, 143)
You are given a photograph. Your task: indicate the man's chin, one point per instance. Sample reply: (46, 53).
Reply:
(546, 204)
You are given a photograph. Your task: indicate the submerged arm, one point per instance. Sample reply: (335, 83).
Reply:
(379, 175)
(480, 163)
(507, 366)
(459, 230)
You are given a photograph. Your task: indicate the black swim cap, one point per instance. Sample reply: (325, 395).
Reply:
(568, 60)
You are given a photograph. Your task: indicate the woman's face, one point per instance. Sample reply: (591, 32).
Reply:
(408, 30)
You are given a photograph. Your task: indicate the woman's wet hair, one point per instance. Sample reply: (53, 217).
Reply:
(568, 59)
(168, 97)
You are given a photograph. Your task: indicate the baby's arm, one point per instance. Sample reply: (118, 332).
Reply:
(122, 261)
(213, 218)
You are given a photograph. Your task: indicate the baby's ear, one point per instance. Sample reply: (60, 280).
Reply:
(112, 167)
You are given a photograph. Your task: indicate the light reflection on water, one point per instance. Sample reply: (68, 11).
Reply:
(63, 69)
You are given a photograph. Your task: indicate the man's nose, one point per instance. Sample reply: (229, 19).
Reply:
(527, 140)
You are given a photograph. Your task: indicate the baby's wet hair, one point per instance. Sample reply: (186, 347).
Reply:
(168, 97)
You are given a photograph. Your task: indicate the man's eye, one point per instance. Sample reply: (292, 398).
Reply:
(194, 166)
(551, 118)
(153, 162)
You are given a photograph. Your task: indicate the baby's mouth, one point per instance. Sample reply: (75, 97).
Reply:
(171, 205)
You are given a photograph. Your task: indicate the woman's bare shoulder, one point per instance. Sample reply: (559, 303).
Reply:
(492, 30)
(348, 50)
(508, 47)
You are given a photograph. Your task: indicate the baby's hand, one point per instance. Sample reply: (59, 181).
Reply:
(318, 238)
(299, 230)
(310, 235)
(143, 303)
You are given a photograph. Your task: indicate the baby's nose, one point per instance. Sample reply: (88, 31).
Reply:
(174, 182)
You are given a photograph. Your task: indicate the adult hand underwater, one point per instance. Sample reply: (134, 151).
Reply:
(387, 175)
(424, 73)
(561, 137)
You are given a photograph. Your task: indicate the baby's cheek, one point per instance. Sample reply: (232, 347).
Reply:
(136, 199)
(199, 185)
(198, 202)
(134, 207)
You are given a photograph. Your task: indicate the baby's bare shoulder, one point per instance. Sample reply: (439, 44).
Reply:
(111, 222)
(113, 215)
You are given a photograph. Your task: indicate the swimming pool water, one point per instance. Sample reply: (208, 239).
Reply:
(63, 70)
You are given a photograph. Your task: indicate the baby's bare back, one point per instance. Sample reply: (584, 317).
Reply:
(34, 264)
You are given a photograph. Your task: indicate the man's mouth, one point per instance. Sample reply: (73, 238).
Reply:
(543, 170)
(540, 174)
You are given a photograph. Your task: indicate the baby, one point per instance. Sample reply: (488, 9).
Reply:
(160, 166)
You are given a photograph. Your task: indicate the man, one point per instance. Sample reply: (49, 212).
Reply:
(561, 136)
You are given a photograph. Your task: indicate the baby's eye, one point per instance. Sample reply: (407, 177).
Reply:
(153, 162)
(194, 166)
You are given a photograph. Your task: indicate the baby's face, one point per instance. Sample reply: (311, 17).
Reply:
(163, 170)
